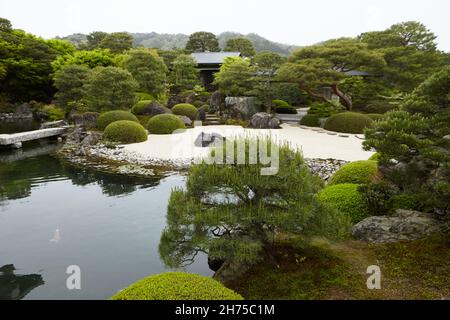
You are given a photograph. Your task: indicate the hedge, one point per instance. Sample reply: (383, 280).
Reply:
(144, 96)
(110, 116)
(285, 110)
(139, 108)
(359, 172)
(125, 131)
(324, 109)
(177, 286)
(310, 120)
(280, 103)
(165, 124)
(375, 157)
(348, 122)
(345, 198)
(375, 116)
(185, 109)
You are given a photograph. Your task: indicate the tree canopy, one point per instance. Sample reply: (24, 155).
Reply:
(117, 42)
(235, 77)
(202, 42)
(184, 74)
(242, 45)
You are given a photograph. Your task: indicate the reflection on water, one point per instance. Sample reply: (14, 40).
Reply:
(18, 126)
(109, 225)
(14, 286)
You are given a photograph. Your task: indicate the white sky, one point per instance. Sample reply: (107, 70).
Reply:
(288, 21)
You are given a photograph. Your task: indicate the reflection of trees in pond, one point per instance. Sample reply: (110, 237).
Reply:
(15, 287)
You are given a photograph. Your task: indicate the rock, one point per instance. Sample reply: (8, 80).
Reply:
(205, 139)
(87, 120)
(403, 225)
(91, 139)
(263, 120)
(76, 135)
(154, 109)
(324, 168)
(217, 102)
(244, 106)
(23, 111)
(174, 100)
(54, 124)
(186, 120)
(201, 114)
(191, 98)
(135, 170)
(81, 152)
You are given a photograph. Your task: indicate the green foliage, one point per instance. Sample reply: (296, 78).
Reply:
(90, 59)
(117, 42)
(242, 45)
(280, 103)
(109, 88)
(267, 60)
(140, 106)
(52, 113)
(348, 122)
(184, 73)
(285, 110)
(235, 77)
(324, 109)
(177, 286)
(374, 116)
(125, 131)
(69, 81)
(405, 201)
(291, 93)
(202, 42)
(144, 96)
(375, 157)
(111, 116)
(185, 109)
(232, 211)
(165, 124)
(358, 172)
(94, 39)
(148, 69)
(346, 199)
(377, 197)
(310, 120)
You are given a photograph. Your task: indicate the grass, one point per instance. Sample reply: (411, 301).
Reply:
(323, 270)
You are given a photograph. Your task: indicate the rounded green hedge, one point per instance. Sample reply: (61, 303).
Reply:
(348, 122)
(177, 286)
(164, 124)
(111, 116)
(125, 131)
(310, 120)
(144, 96)
(359, 172)
(139, 108)
(375, 116)
(375, 157)
(185, 109)
(345, 198)
(285, 110)
(280, 103)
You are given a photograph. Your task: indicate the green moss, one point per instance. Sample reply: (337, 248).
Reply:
(177, 286)
(359, 172)
(348, 122)
(346, 199)
(165, 124)
(125, 131)
(111, 116)
(185, 109)
(310, 120)
(140, 106)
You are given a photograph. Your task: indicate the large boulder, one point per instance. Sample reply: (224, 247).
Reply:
(243, 106)
(154, 109)
(174, 100)
(91, 138)
(403, 225)
(206, 139)
(201, 114)
(186, 120)
(87, 120)
(263, 120)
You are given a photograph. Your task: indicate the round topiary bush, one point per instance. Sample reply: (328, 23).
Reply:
(348, 122)
(310, 120)
(345, 198)
(359, 172)
(144, 96)
(375, 157)
(177, 286)
(285, 110)
(125, 131)
(185, 109)
(280, 103)
(198, 103)
(165, 124)
(139, 108)
(111, 116)
(375, 116)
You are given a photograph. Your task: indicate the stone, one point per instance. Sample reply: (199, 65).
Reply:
(91, 138)
(244, 106)
(201, 114)
(191, 98)
(23, 111)
(10, 139)
(76, 135)
(187, 122)
(54, 124)
(206, 139)
(87, 120)
(174, 100)
(154, 109)
(217, 102)
(263, 120)
(403, 225)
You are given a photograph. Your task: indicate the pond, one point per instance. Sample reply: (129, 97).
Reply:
(53, 215)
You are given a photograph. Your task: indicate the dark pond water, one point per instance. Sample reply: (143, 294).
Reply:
(53, 216)
(18, 126)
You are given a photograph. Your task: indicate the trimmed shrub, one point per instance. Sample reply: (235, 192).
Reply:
(185, 109)
(125, 131)
(111, 116)
(359, 172)
(285, 110)
(345, 198)
(144, 96)
(177, 286)
(140, 106)
(375, 116)
(324, 110)
(348, 122)
(405, 201)
(280, 103)
(310, 120)
(198, 103)
(375, 157)
(165, 124)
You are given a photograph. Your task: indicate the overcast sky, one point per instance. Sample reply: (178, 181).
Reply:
(289, 21)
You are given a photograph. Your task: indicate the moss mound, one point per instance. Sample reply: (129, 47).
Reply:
(310, 120)
(185, 109)
(345, 198)
(140, 106)
(125, 131)
(280, 103)
(348, 122)
(177, 286)
(165, 124)
(359, 172)
(111, 116)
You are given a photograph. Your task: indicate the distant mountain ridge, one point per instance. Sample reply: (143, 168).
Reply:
(167, 41)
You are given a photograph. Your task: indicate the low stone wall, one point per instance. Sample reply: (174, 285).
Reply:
(15, 117)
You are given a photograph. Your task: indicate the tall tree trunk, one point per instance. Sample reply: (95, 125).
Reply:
(347, 102)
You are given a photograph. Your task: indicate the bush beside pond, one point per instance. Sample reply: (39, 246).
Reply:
(165, 124)
(359, 172)
(348, 122)
(185, 109)
(111, 116)
(125, 131)
(177, 286)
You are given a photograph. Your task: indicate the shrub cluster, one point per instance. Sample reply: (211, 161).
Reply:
(280, 103)
(310, 120)
(111, 116)
(348, 122)
(125, 131)
(285, 110)
(359, 172)
(177, 286)
(164, 124)
(185, 109)
(324, 109)
(144, 96)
